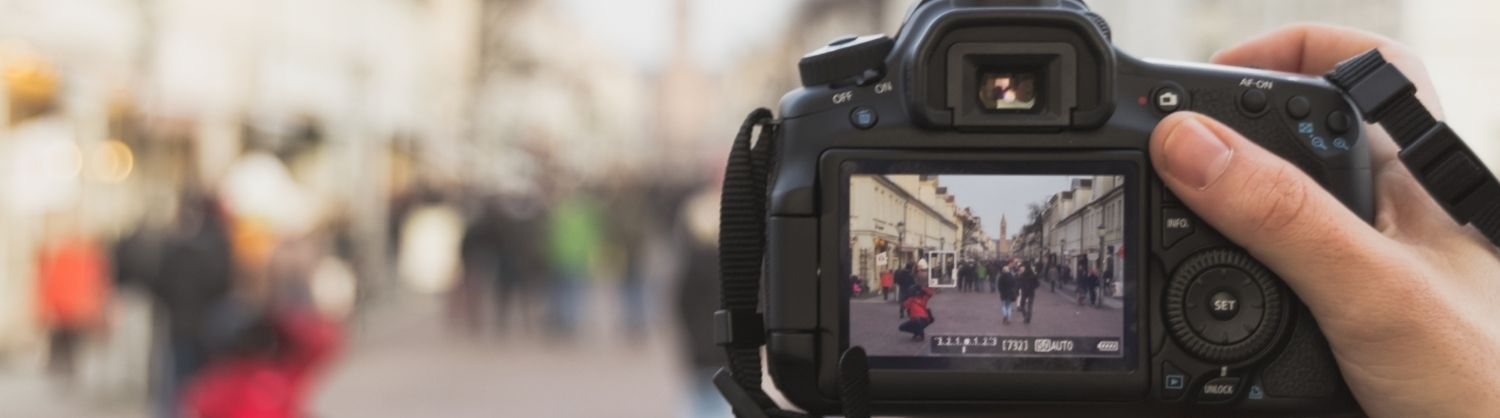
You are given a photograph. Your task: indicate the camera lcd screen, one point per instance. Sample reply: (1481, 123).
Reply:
(1024, 267)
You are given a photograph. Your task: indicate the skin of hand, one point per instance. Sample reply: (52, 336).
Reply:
(1410, 305)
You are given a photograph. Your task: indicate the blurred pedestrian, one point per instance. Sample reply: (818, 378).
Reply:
(523, 264)
(906, 279)
(982, 272)
(1088, 285)
(479, 262)
(268, 371)
(1009, 291)
(1107, 279)
(194, 279)
(574, 237)
(1051, 270)
(965, 283)
(629, 227)
(922, 273)
(1028, 282)
(887, 279)
(697, 297)
(73, 291)
(921, 314)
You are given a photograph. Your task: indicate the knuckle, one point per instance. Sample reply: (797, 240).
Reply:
(1280, 202)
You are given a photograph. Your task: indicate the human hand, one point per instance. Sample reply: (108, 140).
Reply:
(1409, 305)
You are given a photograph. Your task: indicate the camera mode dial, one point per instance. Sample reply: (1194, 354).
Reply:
(1223, 306)
(848, 58)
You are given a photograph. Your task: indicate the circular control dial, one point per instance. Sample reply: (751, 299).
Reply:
(1223, 306)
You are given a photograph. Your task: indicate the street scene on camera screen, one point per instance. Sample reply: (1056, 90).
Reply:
(987, 265)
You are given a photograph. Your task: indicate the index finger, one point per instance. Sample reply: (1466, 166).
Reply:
(1307, 48)
(1314, 49)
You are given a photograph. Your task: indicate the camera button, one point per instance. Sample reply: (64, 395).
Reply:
(1219, 389)
(1298, 107)
(1169, 99)
(863, 117)
(1254, 101)
(1176, 224)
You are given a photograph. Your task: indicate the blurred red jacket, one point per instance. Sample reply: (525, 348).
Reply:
(73, 287)
(267, 386)
(916, 305)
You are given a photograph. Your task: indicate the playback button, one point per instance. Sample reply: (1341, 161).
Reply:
(1174, 381)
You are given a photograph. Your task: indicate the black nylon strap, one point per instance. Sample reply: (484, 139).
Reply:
(742, 240)
(1441, 162)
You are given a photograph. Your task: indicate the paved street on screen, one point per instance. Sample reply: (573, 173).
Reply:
(872, 322)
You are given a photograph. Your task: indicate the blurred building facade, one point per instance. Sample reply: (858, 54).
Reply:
(894, 219)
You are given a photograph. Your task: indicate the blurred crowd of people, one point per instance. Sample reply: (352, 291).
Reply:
(227, 291)
(231, 308)
(239, 301)
(520, 262)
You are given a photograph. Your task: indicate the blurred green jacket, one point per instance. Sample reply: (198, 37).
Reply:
(574, 236)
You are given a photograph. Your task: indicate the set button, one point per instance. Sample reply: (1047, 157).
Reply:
(1225, 305)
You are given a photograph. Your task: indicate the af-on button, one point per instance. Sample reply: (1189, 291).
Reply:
(1254, 101)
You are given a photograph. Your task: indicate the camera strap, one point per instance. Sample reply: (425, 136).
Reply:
(1445, 166)
(738, 325)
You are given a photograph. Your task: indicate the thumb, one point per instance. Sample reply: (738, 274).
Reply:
(1269, 207)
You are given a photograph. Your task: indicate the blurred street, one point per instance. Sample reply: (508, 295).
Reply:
(404, 362)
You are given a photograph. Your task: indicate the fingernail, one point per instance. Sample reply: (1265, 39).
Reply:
(1195, 156)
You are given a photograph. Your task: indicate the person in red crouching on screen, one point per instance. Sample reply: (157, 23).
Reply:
(919, 316)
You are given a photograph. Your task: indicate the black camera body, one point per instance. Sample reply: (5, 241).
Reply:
(1006, 91)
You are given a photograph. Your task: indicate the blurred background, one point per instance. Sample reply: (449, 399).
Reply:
(456, 208)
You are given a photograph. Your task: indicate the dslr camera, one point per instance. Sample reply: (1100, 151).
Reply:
(972, 204)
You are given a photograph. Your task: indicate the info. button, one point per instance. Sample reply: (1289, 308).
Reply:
(1176, 224)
